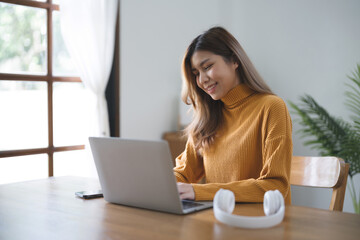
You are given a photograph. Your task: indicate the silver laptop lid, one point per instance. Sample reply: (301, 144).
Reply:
(136, 173)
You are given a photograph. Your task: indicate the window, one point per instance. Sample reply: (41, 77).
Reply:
(43, 102)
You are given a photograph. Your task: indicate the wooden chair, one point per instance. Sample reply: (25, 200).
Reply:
(324, 172)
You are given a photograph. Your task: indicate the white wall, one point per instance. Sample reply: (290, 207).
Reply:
(299, 47)
(154, 36)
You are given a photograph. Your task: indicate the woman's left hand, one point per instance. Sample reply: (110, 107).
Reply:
(186, 191)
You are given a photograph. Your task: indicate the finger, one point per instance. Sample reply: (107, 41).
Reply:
(184, 196)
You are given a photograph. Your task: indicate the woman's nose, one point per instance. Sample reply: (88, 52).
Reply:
(203, 78)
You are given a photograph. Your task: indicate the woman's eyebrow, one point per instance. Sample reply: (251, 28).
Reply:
(204, 61)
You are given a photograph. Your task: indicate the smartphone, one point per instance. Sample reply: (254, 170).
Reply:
(89, 194)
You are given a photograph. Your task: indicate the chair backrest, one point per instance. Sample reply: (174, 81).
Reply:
(324, 172)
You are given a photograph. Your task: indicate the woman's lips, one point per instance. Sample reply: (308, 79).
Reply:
(210, 89)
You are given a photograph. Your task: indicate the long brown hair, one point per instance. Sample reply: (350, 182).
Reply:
(208, 115)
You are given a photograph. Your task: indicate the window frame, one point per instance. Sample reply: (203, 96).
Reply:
(50, 80)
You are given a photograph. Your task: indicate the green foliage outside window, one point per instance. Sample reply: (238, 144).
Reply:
(23, 39)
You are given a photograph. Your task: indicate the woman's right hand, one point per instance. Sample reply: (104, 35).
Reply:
(186, 191)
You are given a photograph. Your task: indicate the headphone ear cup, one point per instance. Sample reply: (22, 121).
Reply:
(225, 200)
(273, 200)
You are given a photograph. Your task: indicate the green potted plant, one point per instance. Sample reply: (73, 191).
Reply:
(331, 135)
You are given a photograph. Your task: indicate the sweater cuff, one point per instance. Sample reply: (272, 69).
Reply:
(204, 192)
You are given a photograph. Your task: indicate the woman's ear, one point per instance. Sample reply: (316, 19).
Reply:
(235, 62)
(237, 65)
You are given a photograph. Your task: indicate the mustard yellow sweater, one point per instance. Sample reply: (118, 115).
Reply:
(251, 153)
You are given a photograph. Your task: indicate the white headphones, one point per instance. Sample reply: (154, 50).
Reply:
(274, 208)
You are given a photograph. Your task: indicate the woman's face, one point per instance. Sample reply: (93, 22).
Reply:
(213, 74)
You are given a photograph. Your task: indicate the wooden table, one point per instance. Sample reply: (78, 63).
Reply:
(48, 209)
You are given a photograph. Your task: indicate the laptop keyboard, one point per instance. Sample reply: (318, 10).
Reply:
(189, 204)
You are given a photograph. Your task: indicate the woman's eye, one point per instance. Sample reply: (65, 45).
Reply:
(208, 67)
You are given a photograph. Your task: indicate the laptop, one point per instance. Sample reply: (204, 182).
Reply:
(139, 173)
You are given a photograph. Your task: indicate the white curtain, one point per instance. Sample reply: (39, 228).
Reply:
(88, 29)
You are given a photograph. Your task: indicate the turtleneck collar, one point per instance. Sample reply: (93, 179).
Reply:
(236, 95)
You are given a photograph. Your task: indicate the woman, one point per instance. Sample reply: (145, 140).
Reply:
(240, 136)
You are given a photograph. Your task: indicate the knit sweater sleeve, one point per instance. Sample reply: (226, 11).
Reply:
(276, 158)
(189, 166)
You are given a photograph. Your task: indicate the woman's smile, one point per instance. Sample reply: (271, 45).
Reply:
(211, 89)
